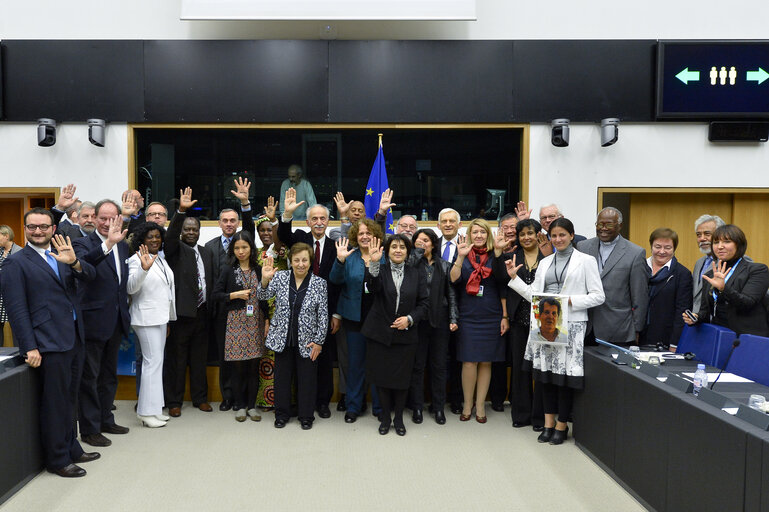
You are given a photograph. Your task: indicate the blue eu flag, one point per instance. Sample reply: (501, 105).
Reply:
(377, 183)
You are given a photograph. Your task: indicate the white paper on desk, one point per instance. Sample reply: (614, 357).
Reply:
(730, 410)
(725, 377)
(3, 358)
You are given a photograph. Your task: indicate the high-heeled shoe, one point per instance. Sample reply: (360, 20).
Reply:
(546, 435)
(151, 421)
(559, 436)
(480, 419)
(162, 417)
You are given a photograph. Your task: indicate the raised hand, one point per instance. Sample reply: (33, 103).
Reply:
(64, 251)
(512, 268)
(116, 232)
(545, 246)
(463, 248)
(341, 205)
(146, 258)
(375, 249)
(242, 186)
(66, 197)
(130, 205)
(289, 202)
(718, 281)
(271, 208)
(185, 199)
(500, 244)
(342, 251)
(268, 269)
(521, 212)
(386, 202)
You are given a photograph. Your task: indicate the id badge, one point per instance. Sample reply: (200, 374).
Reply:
(480, 291)
(365, 288)
(249, 310)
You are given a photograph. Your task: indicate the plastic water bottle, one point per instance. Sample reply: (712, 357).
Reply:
(424, 214)
(700, 379)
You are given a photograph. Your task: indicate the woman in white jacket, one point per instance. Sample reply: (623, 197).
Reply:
(559, 368)
(151, 287)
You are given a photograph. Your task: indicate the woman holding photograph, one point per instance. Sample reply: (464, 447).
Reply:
(558, 368)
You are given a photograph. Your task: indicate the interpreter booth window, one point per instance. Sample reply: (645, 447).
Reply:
(475, 170)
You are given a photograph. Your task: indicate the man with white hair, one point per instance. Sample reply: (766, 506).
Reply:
(703, 229)
(305, 195)
(550, 212)
(407, 225)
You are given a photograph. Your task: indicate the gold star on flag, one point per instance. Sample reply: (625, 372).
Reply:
(369, 192)
(392, 227)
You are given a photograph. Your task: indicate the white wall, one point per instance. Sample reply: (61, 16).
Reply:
(497, 19)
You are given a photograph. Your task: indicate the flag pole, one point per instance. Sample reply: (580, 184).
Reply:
(380, 139)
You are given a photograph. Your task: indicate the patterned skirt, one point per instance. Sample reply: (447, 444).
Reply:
(244, 338)
(556, 364)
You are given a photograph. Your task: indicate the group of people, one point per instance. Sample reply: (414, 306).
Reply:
(385, 307)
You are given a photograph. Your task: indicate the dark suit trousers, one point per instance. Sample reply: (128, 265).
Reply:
(455, 395)
(225, 367)
(60, 375)
(433, 347)
(99, 383)
(287, 364)
(498, 389)
(325, 363)
(188, 344)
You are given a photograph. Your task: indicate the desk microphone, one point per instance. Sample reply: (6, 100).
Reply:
(735, 344)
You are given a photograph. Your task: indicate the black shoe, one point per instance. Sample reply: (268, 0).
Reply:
(400, 430)
(384, 428)
(456, 408)
(307, 424)
(323, 411)
(280, 423)
(498, 407)
(226, 405)
(69, 471)
(341, 405)
(440, 418)
(350, 417)
(88, 457)
(537, 428)
(546, 435)
(416, 416)
(95, 439)
(559, 436)
(519, 424)
(114, 429)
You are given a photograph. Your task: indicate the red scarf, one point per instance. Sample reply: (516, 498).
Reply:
(480, 270)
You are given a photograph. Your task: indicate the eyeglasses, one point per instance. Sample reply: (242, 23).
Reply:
(605, 225)
(157, 214)
(35, 227)
(549, 217)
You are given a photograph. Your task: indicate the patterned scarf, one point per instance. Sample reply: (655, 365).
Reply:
(397, 272)
(480, 270)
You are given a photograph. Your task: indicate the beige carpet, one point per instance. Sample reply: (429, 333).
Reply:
(208, 461)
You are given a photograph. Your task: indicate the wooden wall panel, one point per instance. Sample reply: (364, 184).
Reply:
(677, 211)
(750, 212)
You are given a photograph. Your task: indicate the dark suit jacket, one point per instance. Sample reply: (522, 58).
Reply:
(440, 249)
(65, 228)
(513, 298)
(183, 261)
(414, 301)
(40, 305)
(225, 285)
(744, 297)
(671, 299)
(219, 257)
(443, 298)
(104, 300)
(290, 237)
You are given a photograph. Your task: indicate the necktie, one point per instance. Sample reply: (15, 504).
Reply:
(201, 296)
(226, 244)
(316, 259)
(52, 263)
(447, 252)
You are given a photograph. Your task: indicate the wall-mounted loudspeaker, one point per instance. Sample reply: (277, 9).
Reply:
(738, 131)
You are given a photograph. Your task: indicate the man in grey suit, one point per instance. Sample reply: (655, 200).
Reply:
(703, 229)
(625, 282)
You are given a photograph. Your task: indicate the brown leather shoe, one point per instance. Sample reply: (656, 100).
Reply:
(88, 457)
(69, 471)
(175, 412)
(205, 407)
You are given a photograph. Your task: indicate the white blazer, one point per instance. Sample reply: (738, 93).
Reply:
(153, 298)
(582, 284)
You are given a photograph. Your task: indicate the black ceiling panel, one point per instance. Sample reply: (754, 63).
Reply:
(584, 80)
(420, 81)
(236, 81)
(73, 80)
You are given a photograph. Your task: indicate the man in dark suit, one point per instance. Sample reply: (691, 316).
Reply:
(105, 314)
(324, 256)
(41, 298)
(193, 271)
(622, 264)
(449, 223)
(704, 227)
(217, 248)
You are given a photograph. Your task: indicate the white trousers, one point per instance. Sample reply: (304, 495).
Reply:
(153, 342)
